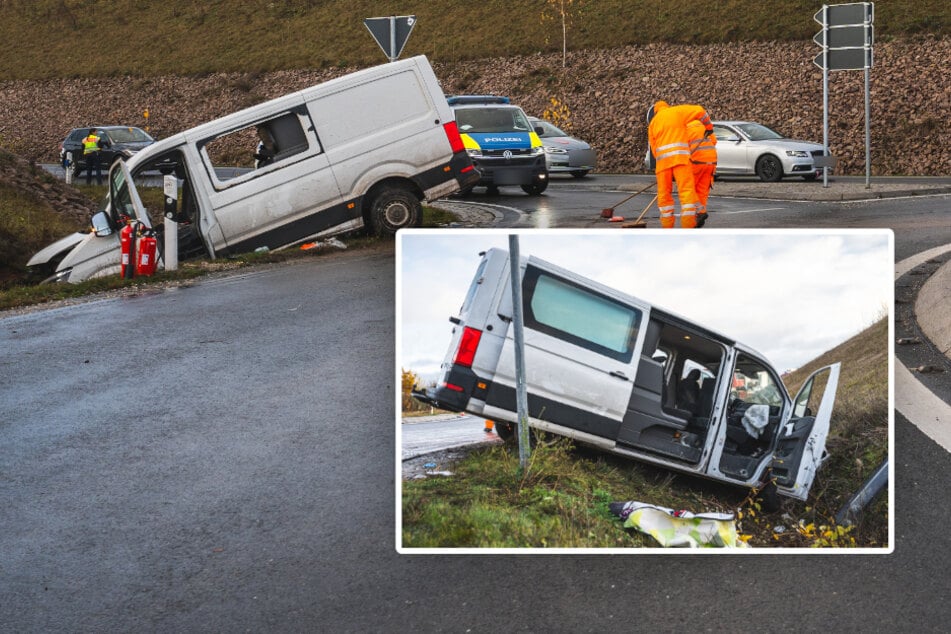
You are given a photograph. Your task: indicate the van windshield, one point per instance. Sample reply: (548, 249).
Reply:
(489, 119)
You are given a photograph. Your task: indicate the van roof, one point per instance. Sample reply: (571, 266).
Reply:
(239, 119)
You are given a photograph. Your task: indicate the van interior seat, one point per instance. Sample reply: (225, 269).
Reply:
(688, 393)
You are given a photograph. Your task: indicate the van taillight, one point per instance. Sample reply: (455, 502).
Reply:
(455, 141)
(467, 347)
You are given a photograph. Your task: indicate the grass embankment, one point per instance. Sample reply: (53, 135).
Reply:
(187, 38)
(27, 225)
(562, 501)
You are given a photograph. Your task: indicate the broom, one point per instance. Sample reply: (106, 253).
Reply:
(608, 212)
(639, 223)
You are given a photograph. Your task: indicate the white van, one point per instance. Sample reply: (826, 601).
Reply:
(361, 150)
(618, 373)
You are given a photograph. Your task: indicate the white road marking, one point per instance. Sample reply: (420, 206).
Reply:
(915, 401)
(748, 211)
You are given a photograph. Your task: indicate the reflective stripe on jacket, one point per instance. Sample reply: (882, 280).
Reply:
(703, 150)
(667, 133)
(90, 144)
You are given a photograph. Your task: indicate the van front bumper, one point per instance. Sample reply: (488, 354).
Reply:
(511, 171)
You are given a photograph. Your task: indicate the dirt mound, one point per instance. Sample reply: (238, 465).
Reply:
(35, 210)
(604, 94)
(28, 178)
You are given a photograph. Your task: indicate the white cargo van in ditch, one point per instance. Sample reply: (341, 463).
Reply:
(618, 373)
(361, 150)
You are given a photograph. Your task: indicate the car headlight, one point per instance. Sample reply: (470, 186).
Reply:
(538, 150)
(63, 276)
(475, 153)
(797, 153)
(555, 150)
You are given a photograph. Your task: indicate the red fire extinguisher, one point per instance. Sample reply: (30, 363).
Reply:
(146, 264)
(127, 244)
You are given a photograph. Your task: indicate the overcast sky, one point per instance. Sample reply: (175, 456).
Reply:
(789, 294)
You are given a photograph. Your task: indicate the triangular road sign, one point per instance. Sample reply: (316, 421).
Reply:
(391, 33)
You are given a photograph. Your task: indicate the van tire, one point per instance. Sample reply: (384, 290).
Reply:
(535, 188)
(392, 209)
(506, 431)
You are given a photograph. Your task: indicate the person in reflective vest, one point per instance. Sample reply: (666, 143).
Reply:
(92, 146)
(670, 145)
(703, 159)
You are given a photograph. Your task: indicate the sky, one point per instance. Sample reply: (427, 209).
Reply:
(789, 294)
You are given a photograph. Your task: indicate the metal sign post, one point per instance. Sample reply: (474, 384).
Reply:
(521, 391)
(170, 189)
(391, 33)
(846, 39)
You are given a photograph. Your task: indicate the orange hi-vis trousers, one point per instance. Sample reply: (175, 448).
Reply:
(686, 191)
(703, 179)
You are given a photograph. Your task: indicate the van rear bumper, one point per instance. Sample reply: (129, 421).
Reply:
(454, 392)
(447, 179)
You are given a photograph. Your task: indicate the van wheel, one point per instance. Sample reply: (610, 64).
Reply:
(506, 431)
(535, 188)
(394, 208)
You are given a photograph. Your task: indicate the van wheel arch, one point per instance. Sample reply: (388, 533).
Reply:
(392, 205)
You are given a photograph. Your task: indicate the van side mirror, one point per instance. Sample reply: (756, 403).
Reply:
(730, 137)
(539, 130)
(102, 225)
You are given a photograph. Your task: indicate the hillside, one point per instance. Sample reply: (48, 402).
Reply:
(187, 63)
(604, 94)
(175, 37)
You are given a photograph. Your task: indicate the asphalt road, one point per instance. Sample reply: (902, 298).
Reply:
(211, 458)
(221, 458)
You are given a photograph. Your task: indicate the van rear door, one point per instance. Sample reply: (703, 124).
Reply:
(800, 449)
(580, 340)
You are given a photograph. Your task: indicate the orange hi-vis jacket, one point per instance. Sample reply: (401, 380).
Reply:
(667, 133)
(703, 150)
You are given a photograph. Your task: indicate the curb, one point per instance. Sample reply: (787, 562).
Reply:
(933, 309)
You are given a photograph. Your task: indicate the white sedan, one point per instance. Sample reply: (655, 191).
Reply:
(744, 147)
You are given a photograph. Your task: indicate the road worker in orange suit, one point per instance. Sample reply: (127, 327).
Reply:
(703, 159)
(667, 134)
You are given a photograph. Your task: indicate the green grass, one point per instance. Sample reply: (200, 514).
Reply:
(187, 38)
(26, 225)
(562, 502)
(31, 226)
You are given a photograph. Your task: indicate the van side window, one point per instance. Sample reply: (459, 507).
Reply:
(257, 145)
(562, 309)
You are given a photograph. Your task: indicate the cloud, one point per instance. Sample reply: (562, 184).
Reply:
(789, 294)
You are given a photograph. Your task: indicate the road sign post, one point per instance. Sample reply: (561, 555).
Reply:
(391, 33)
(521, 389)
(846, 39)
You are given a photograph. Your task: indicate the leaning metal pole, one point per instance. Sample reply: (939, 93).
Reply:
(521, 392)
(825, 93)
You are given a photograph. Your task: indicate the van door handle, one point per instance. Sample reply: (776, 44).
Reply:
(620, 375)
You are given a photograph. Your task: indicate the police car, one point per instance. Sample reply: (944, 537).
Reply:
(502, 143)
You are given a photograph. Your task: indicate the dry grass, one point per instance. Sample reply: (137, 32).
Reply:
(188, 38)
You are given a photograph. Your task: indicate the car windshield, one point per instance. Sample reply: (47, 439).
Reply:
(548, 129)
(128, 135)
(491, 120)
(757, 132)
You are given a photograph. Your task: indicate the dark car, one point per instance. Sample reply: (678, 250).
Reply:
(118, 142)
